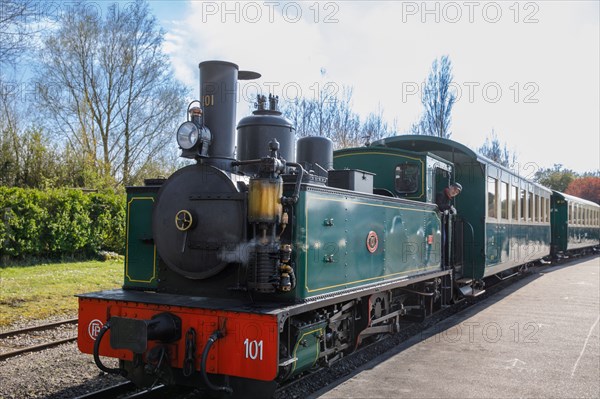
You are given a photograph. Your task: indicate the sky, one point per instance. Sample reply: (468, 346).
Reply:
(527, 70)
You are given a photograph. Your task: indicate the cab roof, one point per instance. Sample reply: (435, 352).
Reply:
(447, 149)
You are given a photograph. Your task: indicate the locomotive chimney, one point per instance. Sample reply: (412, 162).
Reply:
(218, 96)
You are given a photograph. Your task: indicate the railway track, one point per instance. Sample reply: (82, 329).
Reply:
(128, 390)
(5, 336)
(109, 392)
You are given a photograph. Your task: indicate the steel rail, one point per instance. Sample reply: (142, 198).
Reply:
(37, 328)
(36, 348)
(109, 392)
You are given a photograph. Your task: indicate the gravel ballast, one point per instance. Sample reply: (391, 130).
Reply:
(61, 372)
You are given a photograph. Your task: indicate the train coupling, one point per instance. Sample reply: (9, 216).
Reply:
(134, 334)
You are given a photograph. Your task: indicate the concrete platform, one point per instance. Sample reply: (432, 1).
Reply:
(538, 338)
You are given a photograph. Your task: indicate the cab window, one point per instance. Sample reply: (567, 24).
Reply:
(407, 178)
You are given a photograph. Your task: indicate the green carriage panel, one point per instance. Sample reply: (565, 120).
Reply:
(510, 245)
(571, 230)
(348, 240)
(141, 259)
(583, 237)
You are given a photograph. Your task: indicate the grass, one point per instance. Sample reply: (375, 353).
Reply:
(41, 291)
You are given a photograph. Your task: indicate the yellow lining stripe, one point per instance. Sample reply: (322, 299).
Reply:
(300, 340)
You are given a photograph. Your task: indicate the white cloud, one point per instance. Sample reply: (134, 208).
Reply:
(377, 46)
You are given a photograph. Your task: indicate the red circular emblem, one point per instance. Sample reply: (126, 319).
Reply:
(372, 241)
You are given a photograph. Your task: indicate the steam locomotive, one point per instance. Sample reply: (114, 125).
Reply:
(245, 270)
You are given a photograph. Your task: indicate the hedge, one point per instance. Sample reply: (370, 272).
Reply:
(59, 223)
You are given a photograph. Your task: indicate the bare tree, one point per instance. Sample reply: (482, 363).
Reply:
(494, 150)
(437, 99)
(345, 122)
(300, 112)
(331, 115)
(375, 127)
(9, 140)
(16, 28)
(16, 34)
(108, 90)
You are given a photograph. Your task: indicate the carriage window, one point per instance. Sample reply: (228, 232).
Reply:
(570, 208)
(547, 209)
(531, 210)
(504, 200)
(542, 209)
(514, 202)
(492, 197)
(587, 216)
(536, 213)
(589, 221)
(407, 178)
(522, 208)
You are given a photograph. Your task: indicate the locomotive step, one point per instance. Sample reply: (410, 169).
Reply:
(470, 291)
